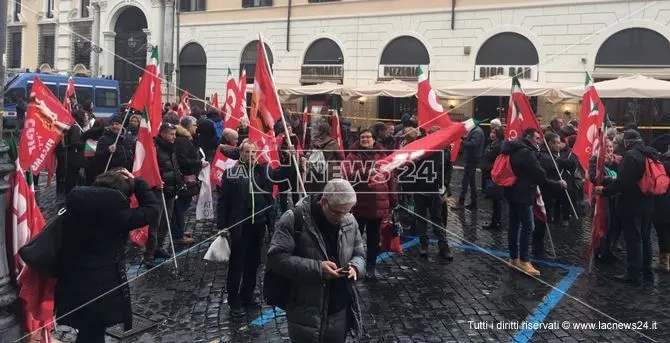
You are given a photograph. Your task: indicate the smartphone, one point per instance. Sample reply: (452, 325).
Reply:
(344, 270)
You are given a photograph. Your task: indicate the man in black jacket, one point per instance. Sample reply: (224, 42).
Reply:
(172, 181)
(245, 207)
(521, 196)
(123, 152)
(427, 183)
(636, 208)
(473, 149)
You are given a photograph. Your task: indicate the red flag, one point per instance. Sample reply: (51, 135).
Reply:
(591, 118)
(215, 101)
(70, 97)
(598, 224)
(50, 165)
(305, 123)
(233, 105)
(243, 92)
(336, 132)
(438, 140)
(520, 115)
(148, 93)
(35, 290)
(539, 209)
(146, 164)
(46, 119)
(184, 108)
(219, 164)
(430, 111)
(265, 111)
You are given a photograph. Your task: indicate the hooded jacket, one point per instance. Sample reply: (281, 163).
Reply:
(308, 295)
(124, 156)
(529, 173)
(631, 170)
(169, 167)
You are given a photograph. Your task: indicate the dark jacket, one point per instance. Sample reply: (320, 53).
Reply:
(308, 297)
(92, 258)
(529, 173)
(238, 204)
(425, 175)
(70, 150)
(490, 154)
(207, 135)
(169, 167)
(662, 202)
(243, 134)
(124, 156)
(473, 145)
(376, 195)
(631, 169)
(188, 156)
(592, 171)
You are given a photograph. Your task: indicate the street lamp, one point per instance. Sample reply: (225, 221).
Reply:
(132, 42)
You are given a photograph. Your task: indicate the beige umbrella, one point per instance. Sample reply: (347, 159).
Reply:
(393, 88)
(633, 86)
(499, 85)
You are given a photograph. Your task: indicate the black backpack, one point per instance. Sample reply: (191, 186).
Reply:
(276, 288)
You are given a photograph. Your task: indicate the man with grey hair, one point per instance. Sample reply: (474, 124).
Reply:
(318, 244)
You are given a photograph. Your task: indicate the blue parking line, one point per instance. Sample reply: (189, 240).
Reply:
(270, 315)
(549, 302)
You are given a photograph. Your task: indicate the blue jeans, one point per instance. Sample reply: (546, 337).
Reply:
(520, 215)
(180, 207)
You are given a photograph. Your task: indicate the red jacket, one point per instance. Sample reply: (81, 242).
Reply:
(375, 191)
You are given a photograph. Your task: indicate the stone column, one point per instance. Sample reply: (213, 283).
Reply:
(168, 45)
(150, 45)
(10, 331)
(108, 65)
(95, 39)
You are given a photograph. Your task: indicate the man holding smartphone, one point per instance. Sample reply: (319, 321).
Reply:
(318, 247)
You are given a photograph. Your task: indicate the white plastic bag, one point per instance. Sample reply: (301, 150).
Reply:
(219, 251)
(204, 209)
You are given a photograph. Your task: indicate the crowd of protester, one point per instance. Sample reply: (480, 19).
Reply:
(331, 237)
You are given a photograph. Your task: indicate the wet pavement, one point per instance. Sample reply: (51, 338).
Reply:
(475, 298)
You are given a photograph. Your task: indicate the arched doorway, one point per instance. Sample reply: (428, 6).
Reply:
(400, 60)
(506, 53)
(323, 62)
(193, 70)
(130, 47)
(629, 51)
(248, 62)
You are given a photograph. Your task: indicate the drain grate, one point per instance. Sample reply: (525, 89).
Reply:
(140, 325)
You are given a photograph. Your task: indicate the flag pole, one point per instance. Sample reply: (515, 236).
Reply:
(574, 211)
(551, 241)
(167, 220)
(283, 120)
(109, 160)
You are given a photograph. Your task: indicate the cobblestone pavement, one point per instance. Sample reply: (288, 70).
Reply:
(417, 300)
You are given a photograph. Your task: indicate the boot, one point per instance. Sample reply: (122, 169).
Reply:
(444, 251)
(664, 262)
(423, 249)
(528, 268)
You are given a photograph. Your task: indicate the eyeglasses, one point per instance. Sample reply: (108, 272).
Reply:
(366, 137)
(336, 214)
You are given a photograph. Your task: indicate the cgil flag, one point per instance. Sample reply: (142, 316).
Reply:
(591, 117)
(146, 164)
(336, 132)
(184, 108)
(232, 107)
(430, 110)
(45, 123)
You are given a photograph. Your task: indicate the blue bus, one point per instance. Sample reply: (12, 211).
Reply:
(104, 93)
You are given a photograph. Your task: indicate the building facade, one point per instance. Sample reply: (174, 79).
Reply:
(100, 38)
(360, 42)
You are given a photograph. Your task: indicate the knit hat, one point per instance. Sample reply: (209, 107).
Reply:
(631, 135)
(117, 118)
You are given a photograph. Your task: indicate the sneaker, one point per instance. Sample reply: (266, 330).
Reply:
(528, 268)
(565, 223)
(186, 240)
(514, 262)
(445, 253)
(628, 278)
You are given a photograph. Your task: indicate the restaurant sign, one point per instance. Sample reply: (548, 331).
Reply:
(321, 72)
(400, 72)
(522, 72)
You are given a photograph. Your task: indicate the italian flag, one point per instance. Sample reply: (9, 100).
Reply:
(89, 147)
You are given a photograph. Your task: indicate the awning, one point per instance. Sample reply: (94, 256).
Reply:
(321, 88)
(500, 85)
(393, 88)
(635, 86)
